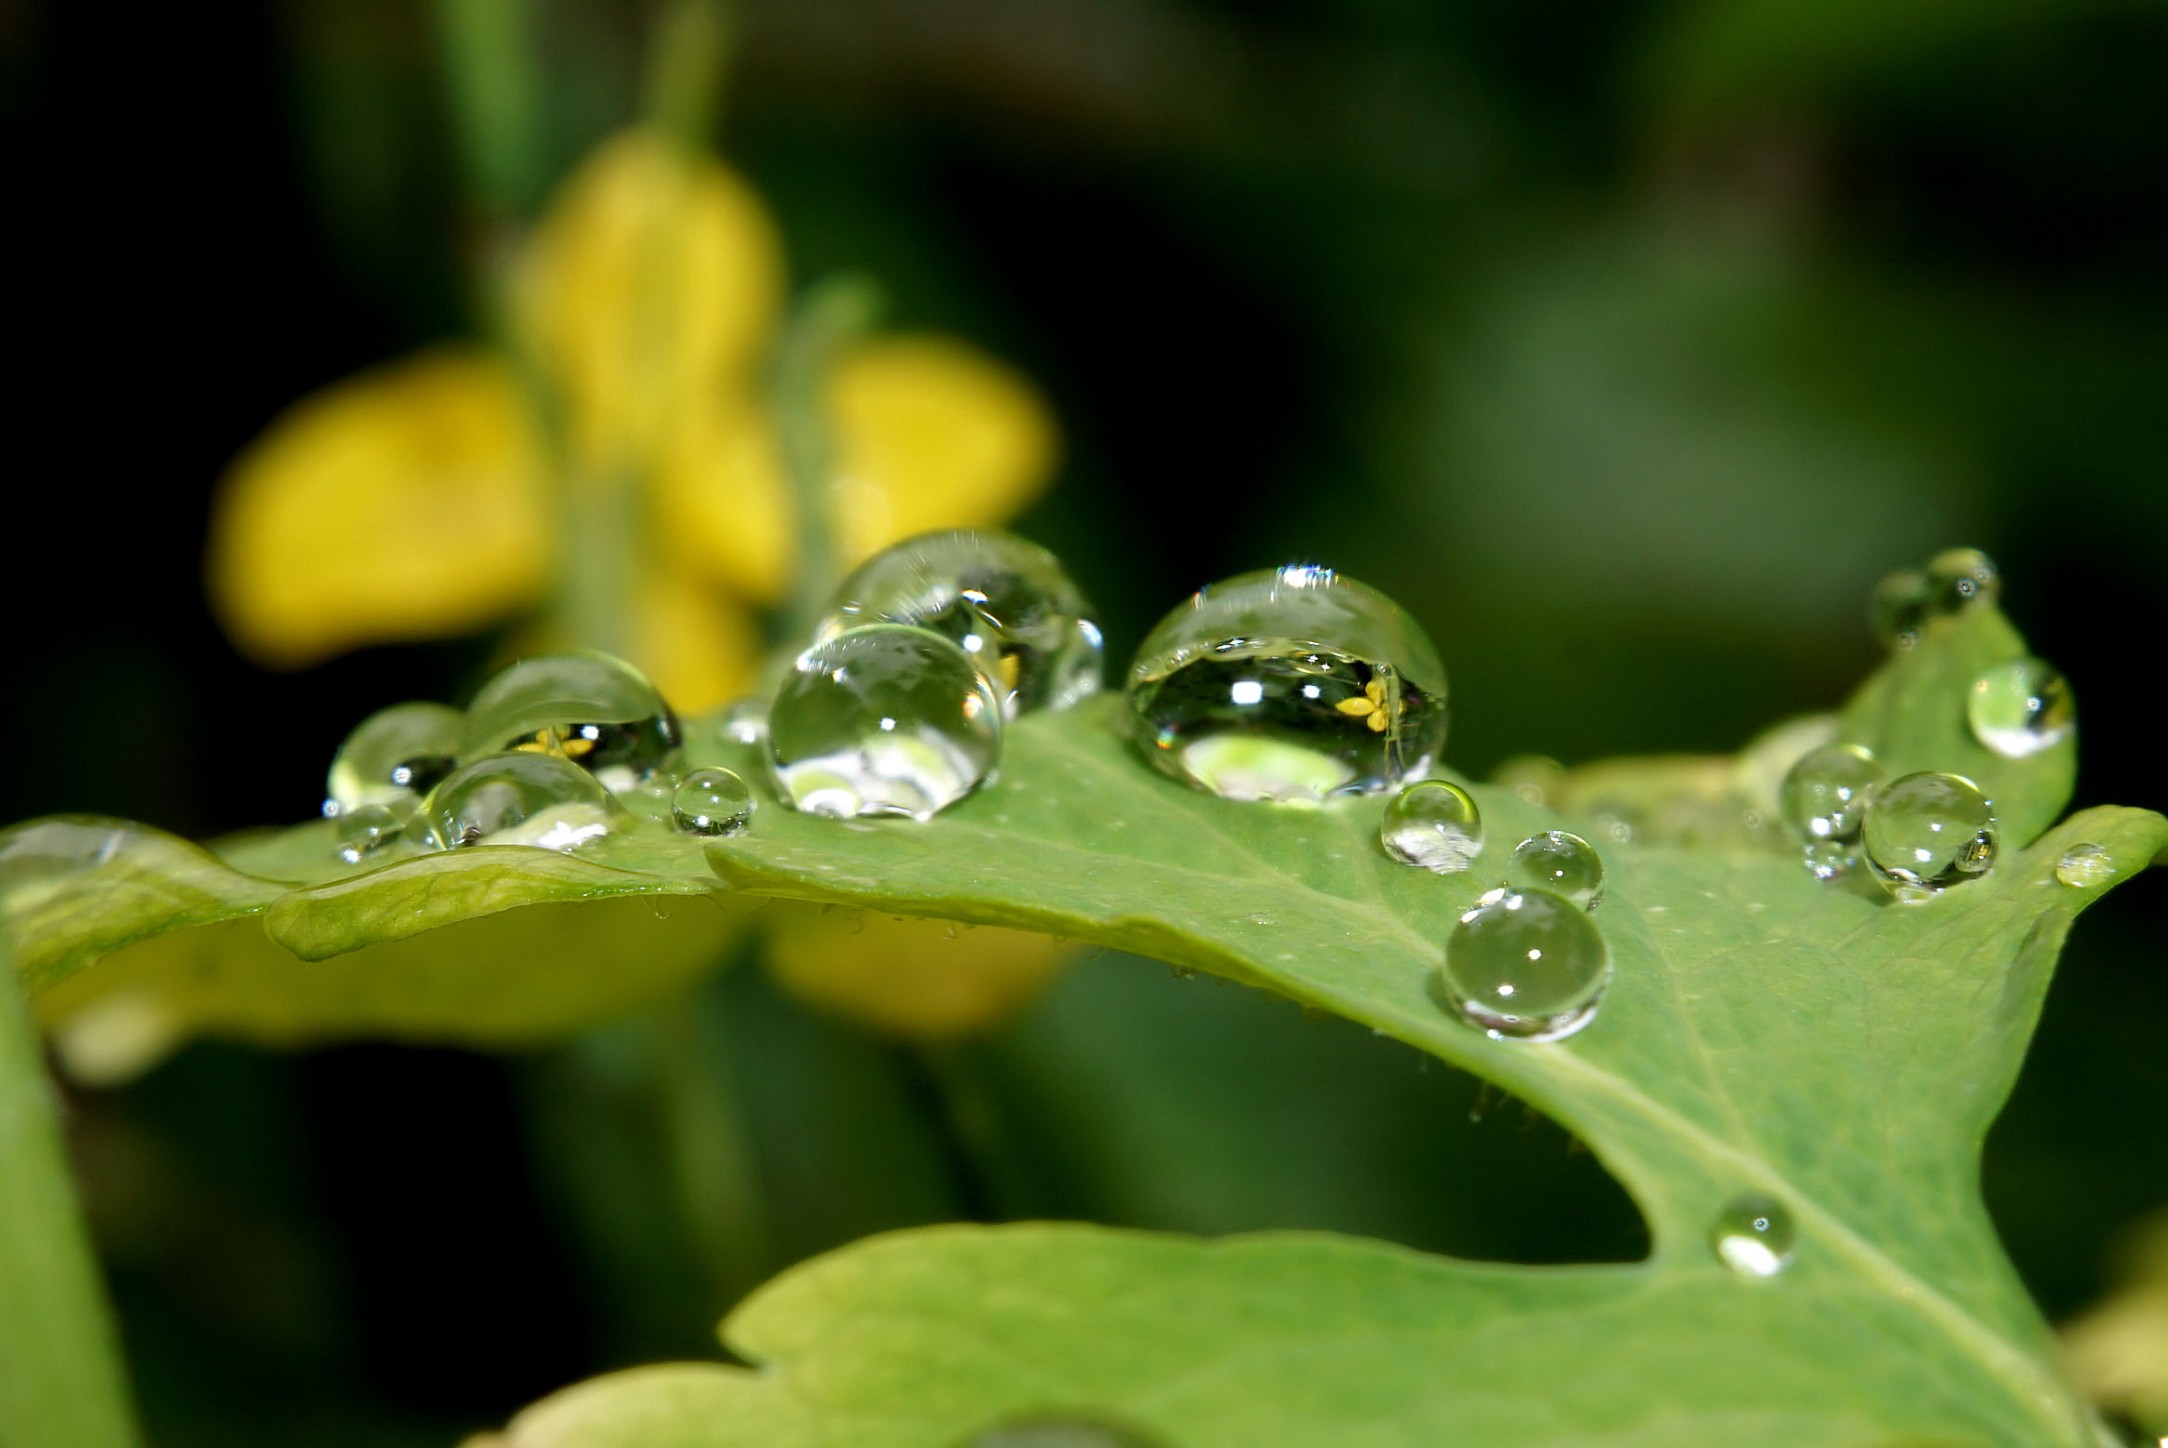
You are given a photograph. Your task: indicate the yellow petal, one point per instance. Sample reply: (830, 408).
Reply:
(405, 503)
(722, 503)
(698, 647)
(925, 978)
(932, 434)
(1356, 707)
(652, 284)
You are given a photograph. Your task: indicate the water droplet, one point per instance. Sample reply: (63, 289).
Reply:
(1006, 602)
(367, 828)
(2020, 708)
(1900, 606)
(1526, 964)
(1961, 578)
(712, 802)
(1563, 864)
(1754, 1236)
(1926, 832)
(883, 720)
(1060, 1431)
(43, 856)
(1537, 778)
(2084, 867)
(395, 756)
(520, 799)
(1433, 824)
(746, 722)
(1824, 799)
(1291, 684)
(597, 711)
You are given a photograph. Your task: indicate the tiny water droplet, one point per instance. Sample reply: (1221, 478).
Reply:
(712, 802)
(367, 828)
(1007, 603)
(1434, 824)
(1537, 778)
(2084, 867)
(1290, 685)
(1561, 863)
(597, 711)
(1526, 964)
(2020, 708)
(520, 799)
(1824, 799)
(1961, 578)
(746, 722)
(1899, 607)
(1926, 832)
(883, 720)
(1754, 1236)
(395, 756)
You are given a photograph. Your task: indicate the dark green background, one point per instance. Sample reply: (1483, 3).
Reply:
(1627, 344)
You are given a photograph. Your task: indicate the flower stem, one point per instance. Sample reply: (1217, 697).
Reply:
(489, 66)
(833, 314)
(61, 1384)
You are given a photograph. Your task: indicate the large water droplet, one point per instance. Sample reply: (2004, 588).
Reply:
(1434, 824)
(2084, 867)
(1926, 832)
(395, 756)
(1754, 1236)
(520, 799)
(1824, 799)
(883, 720)
(1561, 863)
(597, 711)
(1961, 578)
(1526, 964)
(1006, 602)
(712, 802)
(2020, 708)
(1292, 684)
(365, 829)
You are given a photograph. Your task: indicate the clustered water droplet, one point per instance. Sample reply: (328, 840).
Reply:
(1291, 685)
(1562, 863)
(712, 802)
(1526, 964)
(1754, 1236)
(1927, 832)
(1907, 601)
(393, 757)
(1434, 824)
(1824, 799)
(2020, 708)
(597, 712)
(521, 798)
(365, 829)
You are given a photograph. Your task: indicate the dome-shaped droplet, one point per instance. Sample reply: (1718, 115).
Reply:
(520, 799)
(1961, 578)
(1754, 1236)
(2020, 708)
(1561, 863)
(2085, 867)
(1526, 964)
(1824, 800)
(395, 756)
(1926, 832)
(368, 828)
(597, 711)
(1293, 684)
(883, 720)
(1060, 1430)
(1434, 824)
(1006, 602)
(1900, 606)
(712, 802)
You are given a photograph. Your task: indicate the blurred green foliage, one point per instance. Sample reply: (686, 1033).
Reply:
(1625, 344)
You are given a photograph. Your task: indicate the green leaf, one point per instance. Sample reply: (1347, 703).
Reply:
(1766, 1033)
(133, 941)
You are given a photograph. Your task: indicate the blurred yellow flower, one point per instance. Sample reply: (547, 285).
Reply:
(432, 496)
